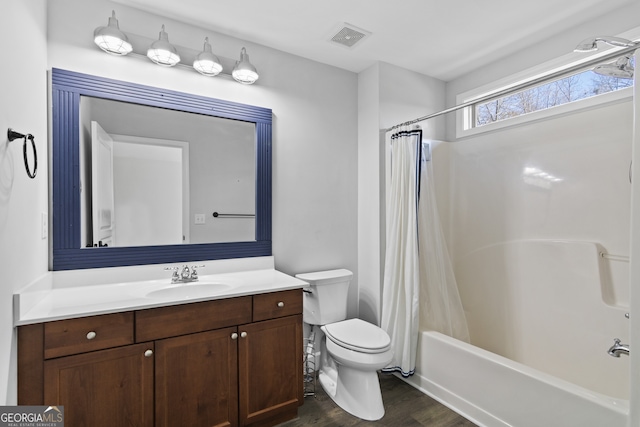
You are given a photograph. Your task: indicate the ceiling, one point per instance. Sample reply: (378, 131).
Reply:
(440, 38)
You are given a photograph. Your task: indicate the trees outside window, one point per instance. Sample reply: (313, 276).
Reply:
(568, 89)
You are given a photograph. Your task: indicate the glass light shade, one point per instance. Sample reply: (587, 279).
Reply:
(111, 39)
(591, 44)
(162, 52)
(244, 72)
(206, 63)
(621, 69)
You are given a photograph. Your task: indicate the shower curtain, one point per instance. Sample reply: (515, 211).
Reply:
(419, 289)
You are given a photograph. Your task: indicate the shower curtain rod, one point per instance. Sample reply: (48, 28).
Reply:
(594, 61)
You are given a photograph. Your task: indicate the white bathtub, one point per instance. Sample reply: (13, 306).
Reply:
(494, 391)
(542, 315)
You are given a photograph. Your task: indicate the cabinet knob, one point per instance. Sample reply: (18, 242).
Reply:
(280, 304)
(91, 335)
(148, 353)
(243, 334)
(234, 336)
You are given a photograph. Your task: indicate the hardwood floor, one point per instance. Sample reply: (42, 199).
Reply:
(404, 405)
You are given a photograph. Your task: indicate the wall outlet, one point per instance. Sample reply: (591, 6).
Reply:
(44, 229)
(199, 219)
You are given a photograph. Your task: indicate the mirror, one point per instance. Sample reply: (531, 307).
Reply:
(209, 162)
(153, 176)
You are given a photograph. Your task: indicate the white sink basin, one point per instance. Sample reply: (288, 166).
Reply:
(188, 290)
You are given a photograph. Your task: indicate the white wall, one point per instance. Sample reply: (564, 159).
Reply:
(314, 138)
(314, 108)
(387, 95)
(369, 226)
(23, 253)
(147, 190)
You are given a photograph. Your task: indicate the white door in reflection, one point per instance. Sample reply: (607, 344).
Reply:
(102, 203)
(140, 186)
(151, 190)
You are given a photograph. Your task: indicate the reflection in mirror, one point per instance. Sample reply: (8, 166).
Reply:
(138, 173)
(163, 176)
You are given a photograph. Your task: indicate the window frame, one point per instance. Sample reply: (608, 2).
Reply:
(465, 126)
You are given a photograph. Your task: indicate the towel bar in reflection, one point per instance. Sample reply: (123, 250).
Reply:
(614, 257)
(221, 215)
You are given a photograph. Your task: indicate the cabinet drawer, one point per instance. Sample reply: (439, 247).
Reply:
(73, 336)
(164, 322)
(277, 304)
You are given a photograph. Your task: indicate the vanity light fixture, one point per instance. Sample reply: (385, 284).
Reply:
(111, 39)
(162, 52)
(114, 41)
(206, 62)
(244, 72)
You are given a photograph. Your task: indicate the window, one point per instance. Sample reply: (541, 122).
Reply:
(494, 106)
(568, 89)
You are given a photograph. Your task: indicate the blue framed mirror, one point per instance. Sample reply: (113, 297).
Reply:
(240, 194)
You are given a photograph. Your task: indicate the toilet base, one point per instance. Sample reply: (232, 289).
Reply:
(356, 391)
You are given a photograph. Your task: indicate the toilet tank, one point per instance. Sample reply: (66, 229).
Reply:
(325, 300)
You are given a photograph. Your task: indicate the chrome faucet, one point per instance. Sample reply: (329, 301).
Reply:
(618, 348)
(185, 275)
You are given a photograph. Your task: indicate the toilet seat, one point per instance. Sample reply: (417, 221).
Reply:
(358, 335)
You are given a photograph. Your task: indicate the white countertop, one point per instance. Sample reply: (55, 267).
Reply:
(42, 303)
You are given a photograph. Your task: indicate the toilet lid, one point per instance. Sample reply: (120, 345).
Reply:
(358, 335)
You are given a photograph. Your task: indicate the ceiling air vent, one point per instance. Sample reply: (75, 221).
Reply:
(348, 35)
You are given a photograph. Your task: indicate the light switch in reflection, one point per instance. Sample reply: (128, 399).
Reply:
(199, 218)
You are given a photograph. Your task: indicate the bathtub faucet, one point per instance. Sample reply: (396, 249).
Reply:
(617, 348)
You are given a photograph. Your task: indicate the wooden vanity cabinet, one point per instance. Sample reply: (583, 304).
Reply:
(270, 371)
(111, 387)
(92, 366)
(196, 360)
(196, 380)
(270, 360)
(230, 362)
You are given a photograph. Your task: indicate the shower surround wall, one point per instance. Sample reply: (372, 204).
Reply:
(532, 208)
(580, 138)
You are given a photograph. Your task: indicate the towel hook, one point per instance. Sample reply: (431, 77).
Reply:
(11, 135)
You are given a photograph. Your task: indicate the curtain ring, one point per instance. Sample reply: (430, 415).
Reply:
(31, 138)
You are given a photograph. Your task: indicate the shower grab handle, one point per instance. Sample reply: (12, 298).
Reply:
(613, 257)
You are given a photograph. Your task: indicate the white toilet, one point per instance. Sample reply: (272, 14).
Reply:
(351, 351)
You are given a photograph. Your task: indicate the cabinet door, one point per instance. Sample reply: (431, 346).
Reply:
(196, 380)
(270, 370)
(107, 388)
